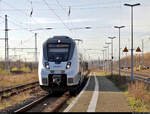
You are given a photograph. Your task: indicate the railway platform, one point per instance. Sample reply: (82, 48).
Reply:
(99, 95)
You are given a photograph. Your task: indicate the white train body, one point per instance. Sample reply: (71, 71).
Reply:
(60, 66)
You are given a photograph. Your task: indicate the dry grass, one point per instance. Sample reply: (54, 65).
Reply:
(21, 97)
(139, 96)
(98, 72)
(126, 61)
(15, 79)
(13, 100)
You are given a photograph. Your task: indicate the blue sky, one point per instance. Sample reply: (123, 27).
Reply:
(101, 15)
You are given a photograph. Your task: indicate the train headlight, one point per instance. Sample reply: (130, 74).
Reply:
(47, 65)
(68, 65)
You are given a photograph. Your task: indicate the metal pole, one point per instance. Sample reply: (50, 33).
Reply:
(143, 52)
(119, 27)
(35, 47)
(108, 62)
(103, 60)
(6, 44)
(119, 52)
(99, 61)
(111, 57)
(108, 59)
(132, 76)
(111, 54)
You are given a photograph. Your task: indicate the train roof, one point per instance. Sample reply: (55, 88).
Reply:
(63, 39)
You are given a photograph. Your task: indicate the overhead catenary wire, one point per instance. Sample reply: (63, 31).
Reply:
(79, 6)
(23, 12)
(57, 15)
(7, 33)
(61, 6)
(16, 23)
(68, 15)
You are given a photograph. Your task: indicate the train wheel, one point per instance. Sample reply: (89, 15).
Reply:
(50, 92)
(73, 91)
(76, 89)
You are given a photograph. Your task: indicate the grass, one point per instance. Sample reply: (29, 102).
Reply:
(137, 105)
(20, 97)
(6, 94)
(13, 100)
(16, 79)
(8, 79)
(22, 69)
(139, 96)
(3, 72)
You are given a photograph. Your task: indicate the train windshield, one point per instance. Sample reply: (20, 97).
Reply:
(58, 52)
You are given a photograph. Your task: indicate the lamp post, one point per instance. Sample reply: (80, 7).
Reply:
(103, 59)
(108, 54)
(106, 57)
(119, 27)
(112, 54)
(132, 5)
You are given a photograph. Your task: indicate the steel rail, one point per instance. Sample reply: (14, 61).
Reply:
(30, 105)
(16, 89)
(54, 107)
(137, 76)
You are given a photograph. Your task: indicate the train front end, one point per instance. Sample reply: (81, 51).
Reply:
(58, 64)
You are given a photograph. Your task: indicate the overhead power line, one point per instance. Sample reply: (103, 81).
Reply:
(66, 12)
(23, 12)
(56, 15)
(61, 6)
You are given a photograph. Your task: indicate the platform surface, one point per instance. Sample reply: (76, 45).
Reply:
(99, 95)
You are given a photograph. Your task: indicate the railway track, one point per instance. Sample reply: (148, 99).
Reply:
(7, 92)
(137, 75)
(42, 103)
(49, 102)
(46, 103)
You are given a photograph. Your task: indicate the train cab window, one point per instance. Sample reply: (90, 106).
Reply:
(58, 52)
